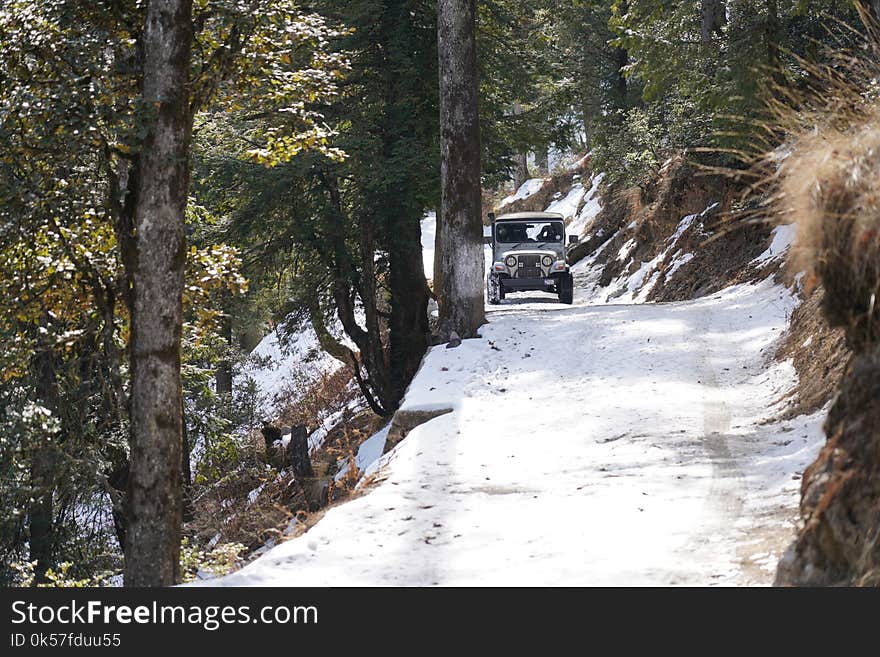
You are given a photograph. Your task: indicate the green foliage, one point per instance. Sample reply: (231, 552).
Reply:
(523, 59)
(71, 124)
(703, 93)
(62, 577)
(217, 561)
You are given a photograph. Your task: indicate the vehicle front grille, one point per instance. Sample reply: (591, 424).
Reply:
(529, 266)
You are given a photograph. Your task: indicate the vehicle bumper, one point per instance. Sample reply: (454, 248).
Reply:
(521, 284)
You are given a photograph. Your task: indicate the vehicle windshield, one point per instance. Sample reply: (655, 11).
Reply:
(522, 232)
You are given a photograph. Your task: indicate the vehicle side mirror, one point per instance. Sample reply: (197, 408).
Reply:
(572, 239)
(487, 239)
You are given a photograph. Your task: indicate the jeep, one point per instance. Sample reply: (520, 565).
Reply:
(528, 253)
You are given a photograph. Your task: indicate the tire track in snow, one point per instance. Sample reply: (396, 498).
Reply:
(728, 485)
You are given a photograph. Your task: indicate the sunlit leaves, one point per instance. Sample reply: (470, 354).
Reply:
(210, 270)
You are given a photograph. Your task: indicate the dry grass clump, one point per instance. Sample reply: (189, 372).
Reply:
(824, 177)
(831, 185)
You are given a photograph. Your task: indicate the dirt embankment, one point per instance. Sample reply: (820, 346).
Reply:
(819, 353)
(830, 184)
(676, 230)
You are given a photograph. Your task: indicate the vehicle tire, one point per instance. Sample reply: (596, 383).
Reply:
(494, 290)
(565, 287)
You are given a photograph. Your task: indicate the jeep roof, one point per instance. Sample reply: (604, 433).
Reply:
(546, 216)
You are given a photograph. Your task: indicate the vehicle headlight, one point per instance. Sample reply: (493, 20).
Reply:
(547, 261)
(511, 261)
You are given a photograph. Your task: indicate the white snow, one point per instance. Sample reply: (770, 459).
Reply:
(591, 208)
(255, 493)
(579, 164)
(635, 287)
(587, 445)
(678, 260)
(275, 367)
(368, 455)
(525, 190)
(782, 238)
(568, 205)
(626, 249)
(622, 443)
(429, 233)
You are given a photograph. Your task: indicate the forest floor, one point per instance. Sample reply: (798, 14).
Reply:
(591, 444)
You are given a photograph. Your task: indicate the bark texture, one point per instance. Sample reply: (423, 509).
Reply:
(460, 229)
(520, 160)
(408, 324)
(44, 470)
(297, 456)
(712, 19)
(153, 534)
(542, 161)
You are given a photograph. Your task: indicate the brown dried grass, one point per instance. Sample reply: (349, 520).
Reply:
(825, 176)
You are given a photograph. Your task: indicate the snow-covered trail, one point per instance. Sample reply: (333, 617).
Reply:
(588, 445)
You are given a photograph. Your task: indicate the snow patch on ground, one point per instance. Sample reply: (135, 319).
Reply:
(782, 238)
(635, 287)
(529, 187)
(368, 455)
(276, 366)
(568, 205)
(590, 210)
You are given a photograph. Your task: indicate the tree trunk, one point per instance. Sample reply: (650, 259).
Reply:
(408, 324)
(542, 161)
(520, 160)
(297, 456)
(223, 375)
(186, 506)
(712, 19)
(400, 212)
(153, 533)
(43, 470)
(375, 385)
(772, 34)
(40, 521)
(620, 91)
(460, 228)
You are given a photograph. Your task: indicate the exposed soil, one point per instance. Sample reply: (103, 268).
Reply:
(722, 250)
(722, 253)
(819, 353)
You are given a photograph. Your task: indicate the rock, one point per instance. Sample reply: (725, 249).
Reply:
(840, 491)
(296, 455)
(271, 433)
(454, 340)
(405, 421)
(443, 334)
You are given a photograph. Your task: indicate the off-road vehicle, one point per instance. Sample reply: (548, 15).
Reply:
(528, 253)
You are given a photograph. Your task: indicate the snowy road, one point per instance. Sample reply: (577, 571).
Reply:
(588, 445)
